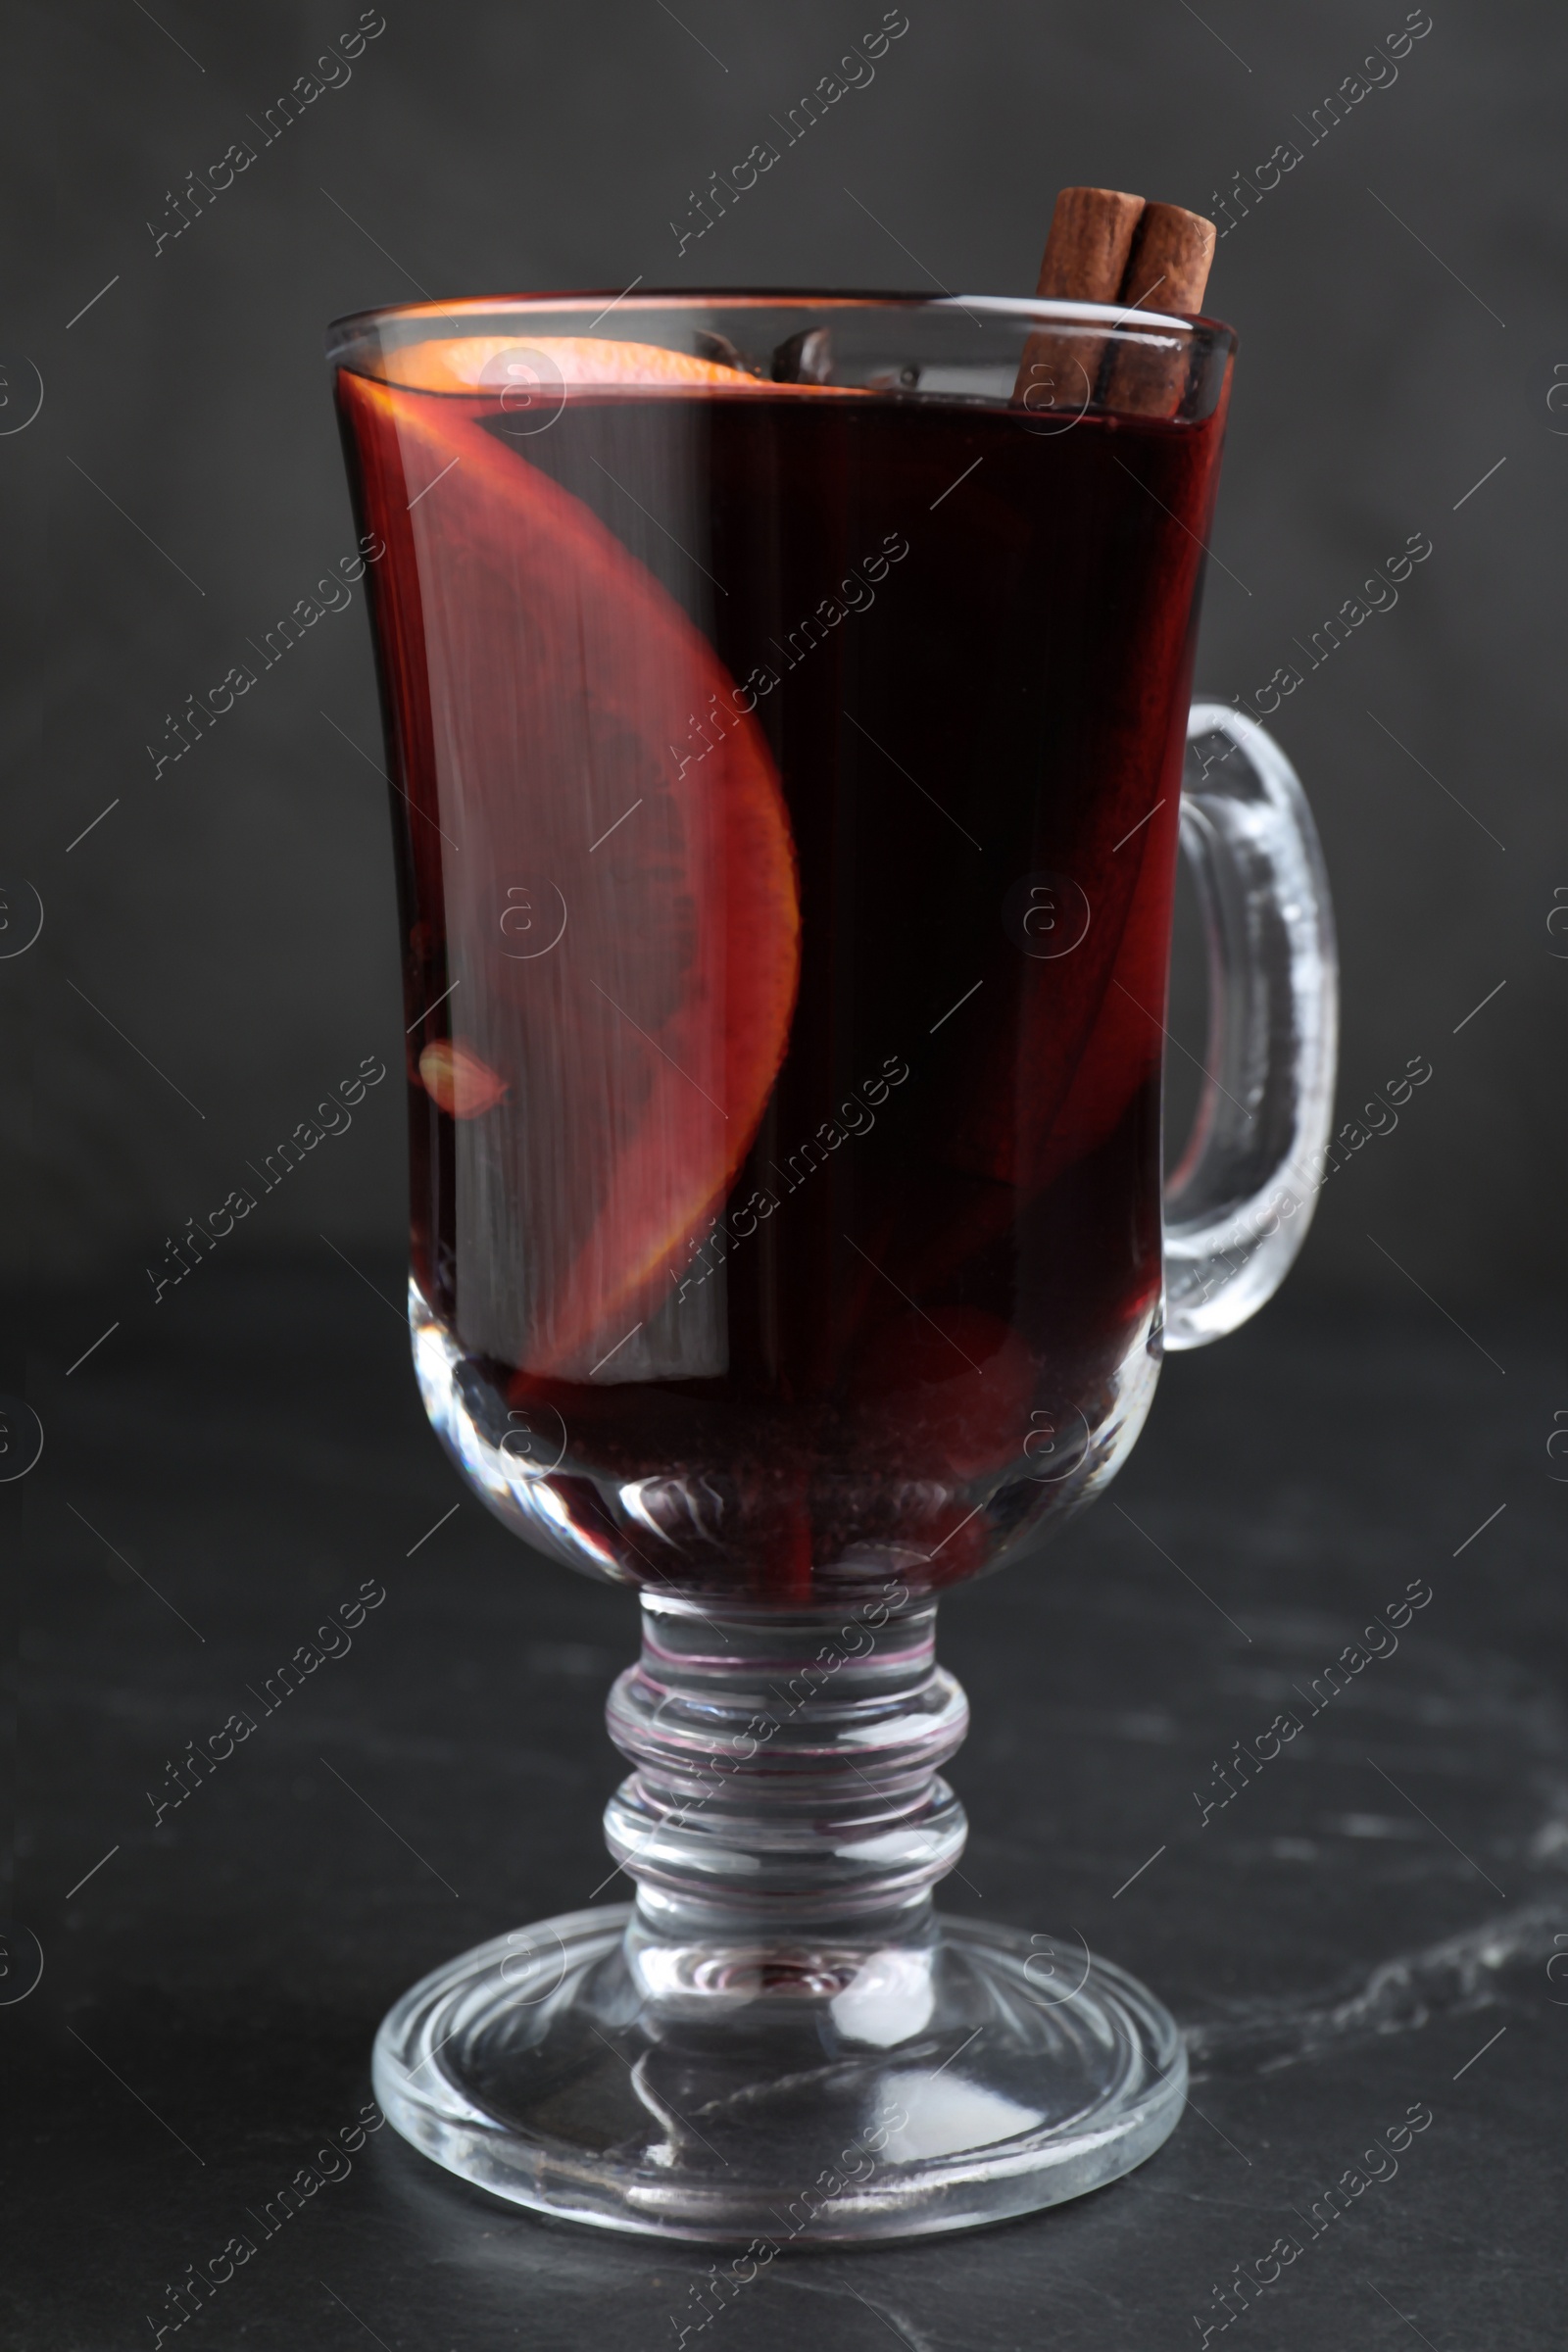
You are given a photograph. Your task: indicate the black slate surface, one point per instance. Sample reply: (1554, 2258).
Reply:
(1368, 1928)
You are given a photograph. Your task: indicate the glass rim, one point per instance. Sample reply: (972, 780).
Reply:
(1030, 310)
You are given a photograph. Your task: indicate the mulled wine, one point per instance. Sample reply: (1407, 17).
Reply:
(786, 783)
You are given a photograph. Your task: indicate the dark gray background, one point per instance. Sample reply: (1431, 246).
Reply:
(234, 919)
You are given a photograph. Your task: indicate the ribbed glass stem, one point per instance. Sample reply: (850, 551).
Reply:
(786, 1775)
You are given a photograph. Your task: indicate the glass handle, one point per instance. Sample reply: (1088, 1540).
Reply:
(1240, 1201)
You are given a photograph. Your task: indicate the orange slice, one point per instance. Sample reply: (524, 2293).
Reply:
(481, 363)
(618, 903)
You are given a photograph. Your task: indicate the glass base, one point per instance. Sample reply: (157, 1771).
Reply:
(776, 2095)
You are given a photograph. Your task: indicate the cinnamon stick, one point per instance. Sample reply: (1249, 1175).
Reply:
(1169, 266)
(1092, 235)
(1167, 270)
(1084, 260)
(1109, 247)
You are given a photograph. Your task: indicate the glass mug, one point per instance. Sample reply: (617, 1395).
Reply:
(786, 702)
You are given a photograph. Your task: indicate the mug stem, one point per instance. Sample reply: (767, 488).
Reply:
(786, 1782)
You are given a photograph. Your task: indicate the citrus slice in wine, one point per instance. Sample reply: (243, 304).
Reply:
(536, 372)
(611, 887)
(499, 362)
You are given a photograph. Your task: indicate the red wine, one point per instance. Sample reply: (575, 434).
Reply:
(786, 794)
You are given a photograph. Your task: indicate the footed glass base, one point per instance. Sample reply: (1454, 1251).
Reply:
(774, 2094)
(780, 2042)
